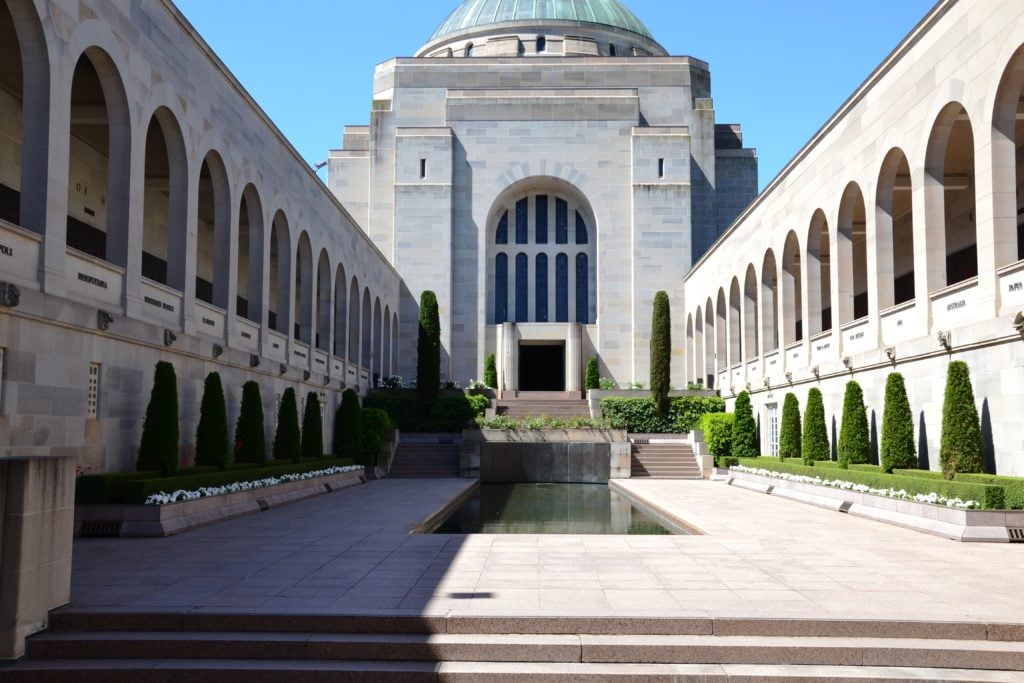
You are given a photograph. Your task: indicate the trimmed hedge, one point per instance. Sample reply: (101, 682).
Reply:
(593, 374)
(348, 426)
(661, 353)
(428, 348)
(451, 411)
(789, 433)
(960, 449)
(250, 437)
(815, 446)
(160, 429)
(376, 425)
(1012, 486)
(491, 372)
(991, 497)
(854, 441)
(287, 443)
(898, 449)
(212, 432)
(717, 428)
(640, 415)
(744, 429)
(97, 489)
(136, 492)
(312, 428)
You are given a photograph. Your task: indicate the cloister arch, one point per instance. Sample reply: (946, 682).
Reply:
(378, 343)
(394, 342)
(213, 232)
(709, 344)
(819, 279)
(735, 331)
(791, 287)
(323, 302)
(99, 159)
(1008, 163)
(386, 370)
(894, 231)
(769, 303)
(353, 321)
(698, 346)
(852, 256)
(366, 331)
(950, 211)
(722, 359)
(279, 274)
(340, 312)
(249, 279)
(689, 353)
(751, 336)
(165, 202)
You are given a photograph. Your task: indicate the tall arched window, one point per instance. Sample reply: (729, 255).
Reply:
(735, 329)
(353, 321)
(1008, 163)
(769, 303)
(366, 359)
(249, 293)
(894, 231)
(340, 312)
(164, 202)
(792, 300)
(751, 338)
(819, 280)
(852, 256)
(709, 345)
(212, 240)
(303, 326)
(721, 333)
(279, 314)
(323, 302)
(550, 283)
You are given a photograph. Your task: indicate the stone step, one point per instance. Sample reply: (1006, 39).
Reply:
(610, 649)
(425, 460)
(334, 671)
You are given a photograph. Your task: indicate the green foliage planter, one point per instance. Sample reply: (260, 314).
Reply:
(991, 497)
(250, 437)
(451, 411)
(898, 450)
(815, 442)
(640, 415)
(854, 441)
(661, 353)
(960, 450)
(160, 432)
(717, 428)
(212, 434)
(789, 433)
(428, 349)
(312, 428)
(744, 429)
(287, 444)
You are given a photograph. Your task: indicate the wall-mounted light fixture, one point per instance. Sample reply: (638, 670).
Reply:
(946, 340)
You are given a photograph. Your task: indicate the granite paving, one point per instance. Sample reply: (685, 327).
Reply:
(351, 552)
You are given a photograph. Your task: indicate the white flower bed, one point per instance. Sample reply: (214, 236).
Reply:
(207, 491)
(932, 498)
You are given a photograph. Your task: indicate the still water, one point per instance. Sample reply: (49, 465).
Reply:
(549, 509)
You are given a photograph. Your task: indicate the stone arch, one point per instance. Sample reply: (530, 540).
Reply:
(323, 302)
(1008, 163)
(819, 275)
(689, 350)
(353, 321)
(769, 303)
(698, 345)
(394, 342)
(791, 287)
(852, 256)
(340, 312)
(735, 328)
(894, 231)
(279, 275)
(249, 279)
(303, 325)
(213, 231)
(950, 210)
(99, 159)
(165, 201)
(710, 328)
(722, 345)
(386, 366)
(751, 335)
(378, 343)
(366, 331)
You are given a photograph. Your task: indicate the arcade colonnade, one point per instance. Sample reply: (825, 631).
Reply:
(853, 269)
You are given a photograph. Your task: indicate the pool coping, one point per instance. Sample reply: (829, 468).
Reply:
(432, 521)
(659, 513)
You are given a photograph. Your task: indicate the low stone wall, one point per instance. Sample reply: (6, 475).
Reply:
(563, 456)
(991, 526)
(174, 518)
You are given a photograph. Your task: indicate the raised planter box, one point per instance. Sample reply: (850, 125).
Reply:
(987, 526)
(594, 396)
(545, 455)
(174, 518)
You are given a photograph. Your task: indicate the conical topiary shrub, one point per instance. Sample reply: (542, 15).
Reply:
(158, 450)
(815, 442)
(428, 349)
(348, 424)
(287, 444)
(250, 437)
(212, 434)
(898, 451)
(593, 374)
(661, 353)
(789, 432)
(744, 429)
(961, 448)
(854, 441)
(312, 428)
(491, 372)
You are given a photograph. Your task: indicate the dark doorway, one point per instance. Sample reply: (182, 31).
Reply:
(541, 368)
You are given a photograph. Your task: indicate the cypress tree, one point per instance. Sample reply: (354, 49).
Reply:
(250, 437)
(348, 426)
(428, 349)
(312, 428)
(593, 375)
(815, 444)
(212, 434)
(661, 353)
(961, 448)
(491, 372)
(744, 429)
(287, 444)
(854, 441)
(897, 451)
(789, 433)
(158, 449)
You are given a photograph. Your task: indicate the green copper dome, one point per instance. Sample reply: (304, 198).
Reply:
(473, 14)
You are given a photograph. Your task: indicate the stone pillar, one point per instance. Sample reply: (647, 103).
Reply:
(37, 510)
(508, 358)
(574, 358)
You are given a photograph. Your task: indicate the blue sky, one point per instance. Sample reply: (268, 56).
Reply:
(779, 68)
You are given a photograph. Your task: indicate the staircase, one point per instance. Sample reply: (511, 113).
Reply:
(674, 460)
(223, 648)
(427, 455)
(561, 405)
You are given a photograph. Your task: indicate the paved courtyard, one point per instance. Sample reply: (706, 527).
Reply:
(351, 552)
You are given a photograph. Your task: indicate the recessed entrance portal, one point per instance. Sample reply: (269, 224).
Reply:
(542, 367)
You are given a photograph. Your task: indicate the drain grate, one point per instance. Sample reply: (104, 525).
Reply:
(100, 529)
(1016, 534)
